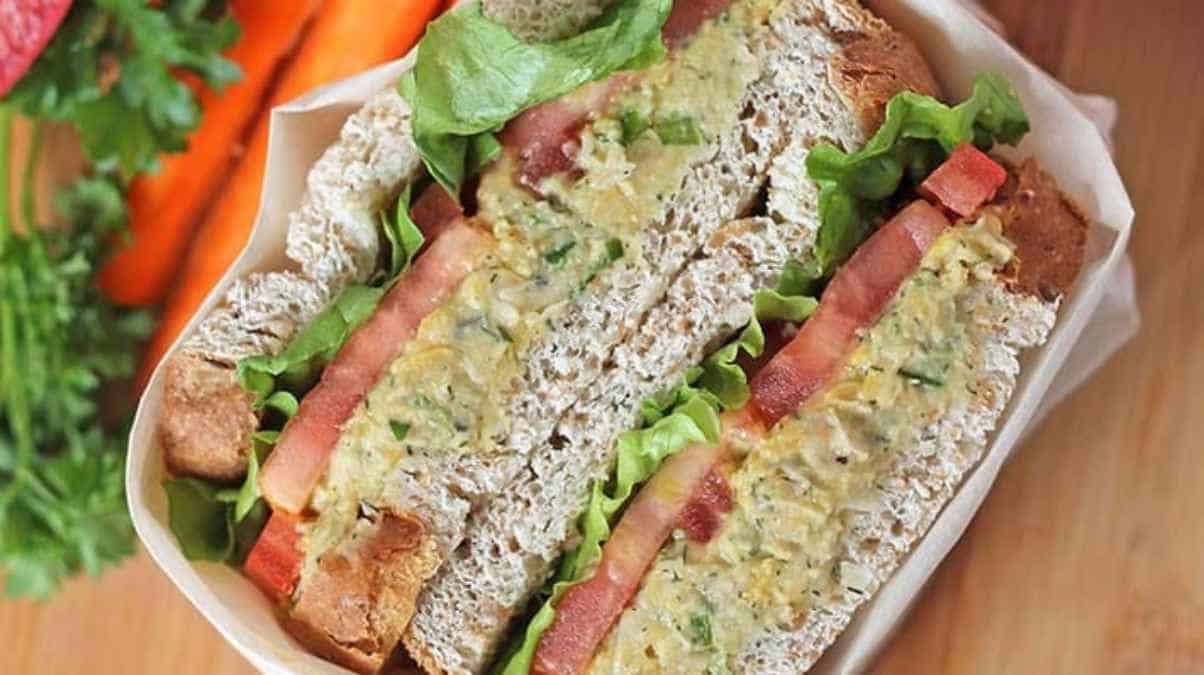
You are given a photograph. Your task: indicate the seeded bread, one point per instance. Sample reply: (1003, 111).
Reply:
(625, 345)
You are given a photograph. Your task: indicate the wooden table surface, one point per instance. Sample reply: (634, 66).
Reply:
(1089, 554)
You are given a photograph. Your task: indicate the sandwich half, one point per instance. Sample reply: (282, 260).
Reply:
(521, 272)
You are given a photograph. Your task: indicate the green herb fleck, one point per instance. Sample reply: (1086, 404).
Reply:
(678, 129)
(557, 255)
(699, 630)
(921, 377)
(399, 429)
(635, 123)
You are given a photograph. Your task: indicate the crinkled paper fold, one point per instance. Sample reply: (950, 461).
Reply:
(1096, 318)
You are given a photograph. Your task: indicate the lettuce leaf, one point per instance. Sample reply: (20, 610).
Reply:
(403, 235)
(789, 301)
(298, 364)
(473, 75)
(673, 420)
(217, 523)
(917, 135)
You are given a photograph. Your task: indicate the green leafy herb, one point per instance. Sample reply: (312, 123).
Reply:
(634, 124)
(111, 71)
(556, 255)
(62, 499)
(699, 630)
(678, 129)
(918, 134)
(399, 429)
(472, 75)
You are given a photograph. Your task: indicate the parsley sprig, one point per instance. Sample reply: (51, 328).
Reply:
(111, 72)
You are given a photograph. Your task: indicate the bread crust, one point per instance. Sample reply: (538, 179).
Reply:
(354, 606)
(208, 420)
(874, 65)
(1048, 229)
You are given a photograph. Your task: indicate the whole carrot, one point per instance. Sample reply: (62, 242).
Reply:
(164, 207)
(344, 40)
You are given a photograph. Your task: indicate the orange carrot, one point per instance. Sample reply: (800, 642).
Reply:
(346, 38)
(165, 207)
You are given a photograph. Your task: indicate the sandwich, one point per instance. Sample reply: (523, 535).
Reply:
(635, 336)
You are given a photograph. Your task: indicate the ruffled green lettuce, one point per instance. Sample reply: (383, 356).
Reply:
(790, 301)
(680, 417)
(472, 75)
(216, 523)
(917, 134)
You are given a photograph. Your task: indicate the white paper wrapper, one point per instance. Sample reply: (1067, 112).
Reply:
(958, 46)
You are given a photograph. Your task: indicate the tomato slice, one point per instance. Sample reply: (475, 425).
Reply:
(966, 181)
(435, 211)
(546, 138)
(687, 16)
(303, 450)
(26, 27)
(855, 298)
(702, 515)
(274, 563)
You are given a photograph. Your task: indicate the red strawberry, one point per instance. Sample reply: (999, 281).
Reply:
(25, 28)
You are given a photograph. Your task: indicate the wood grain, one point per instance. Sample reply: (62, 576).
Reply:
(1089, 554)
